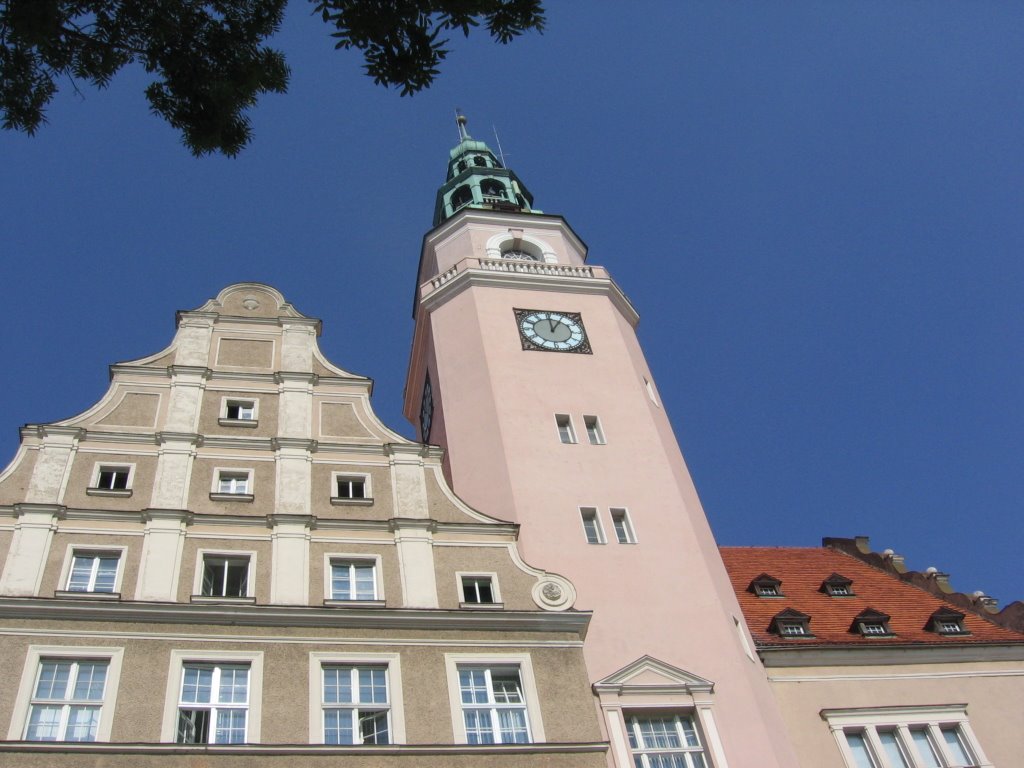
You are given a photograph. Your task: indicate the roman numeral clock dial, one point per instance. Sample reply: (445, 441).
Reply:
(551, 331)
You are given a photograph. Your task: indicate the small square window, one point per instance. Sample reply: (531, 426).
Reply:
(93, 572)
(623, 527)
(353, 580)
(111, 480)
(351, 488)
(225, 576)
(566, 433)
(594, 432)
(232, 485)
(592, 525)
(240, 410)
(478, 590)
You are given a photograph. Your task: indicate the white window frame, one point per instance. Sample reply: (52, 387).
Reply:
(594, 430)
(351, 557)
(391, 661)
(98, 468)
(366, 498)
(180, 658)
(903, 720)
(565, 429)
(85, 550)
(227, 554)
(626, 533)
(26, 687)
(453, 661)
(632, 718)
(237, 471)
(592, 514)
(251, 403)
(460, 576)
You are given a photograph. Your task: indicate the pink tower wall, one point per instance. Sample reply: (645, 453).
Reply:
(668, 595)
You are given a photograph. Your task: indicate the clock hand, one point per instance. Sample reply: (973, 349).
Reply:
(552, 321)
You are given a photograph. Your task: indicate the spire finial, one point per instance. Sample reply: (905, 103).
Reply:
(460, 120)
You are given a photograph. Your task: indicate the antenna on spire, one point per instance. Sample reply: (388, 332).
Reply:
(460, 121)
(497, 141)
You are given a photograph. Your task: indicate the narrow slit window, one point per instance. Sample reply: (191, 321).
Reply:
(591, 525)
(623, 527)
(566, 433)
(594, 432)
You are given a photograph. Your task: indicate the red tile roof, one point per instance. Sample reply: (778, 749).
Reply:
(802, 571)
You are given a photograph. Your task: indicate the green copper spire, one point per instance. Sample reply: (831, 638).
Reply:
(477, 179)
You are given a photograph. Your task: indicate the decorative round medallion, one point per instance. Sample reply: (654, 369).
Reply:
(551, 591)
(554, 593)
(250, 303)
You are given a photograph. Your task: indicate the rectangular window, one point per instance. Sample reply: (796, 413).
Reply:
(353, 580)
(240, 410)
(623, 527)
(912, 737)
(356, 708)
(792, 628)
(351, 487)
(214, 704)
(566, 433)
(225, 576)
(594, 432)
(67, 700)
(493, 705)
(235, 483)
(112, 478)
(93, 572)
(664, 740)
(477, 589)
(592, 525)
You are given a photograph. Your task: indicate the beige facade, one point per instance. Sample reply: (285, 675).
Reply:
(233, 513)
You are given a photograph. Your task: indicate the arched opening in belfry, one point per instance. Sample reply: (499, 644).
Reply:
(461, 196)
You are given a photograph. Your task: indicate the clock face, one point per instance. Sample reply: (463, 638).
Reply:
(552, 331)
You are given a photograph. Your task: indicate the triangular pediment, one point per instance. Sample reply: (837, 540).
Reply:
(648, 674)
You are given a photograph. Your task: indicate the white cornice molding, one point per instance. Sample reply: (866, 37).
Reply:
(377, 751)
(523, 281)
(388, 619)
(826, 657)
(138, 370)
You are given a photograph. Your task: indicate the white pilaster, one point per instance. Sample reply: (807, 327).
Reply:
(173, 470)
(407, 480)
(297, 342)
(415, 544)
(30, 547)
(289, 575)
(162, 546)
(53, 463)
(192, 340)
(295, 416)
(187, 385)
(294, 466)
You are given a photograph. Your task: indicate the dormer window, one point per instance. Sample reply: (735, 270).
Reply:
(946, 621)
(791, 623)
(837, 585)
(766, 586)
(872, 623)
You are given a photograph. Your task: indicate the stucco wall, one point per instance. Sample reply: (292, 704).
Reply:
(993, 692)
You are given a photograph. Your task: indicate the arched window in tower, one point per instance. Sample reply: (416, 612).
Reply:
(521, 251)
(461, 197)
(479, 160)
(461, 165)
(493, 191)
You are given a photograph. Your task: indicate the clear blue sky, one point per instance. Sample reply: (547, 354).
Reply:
(816, 208)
